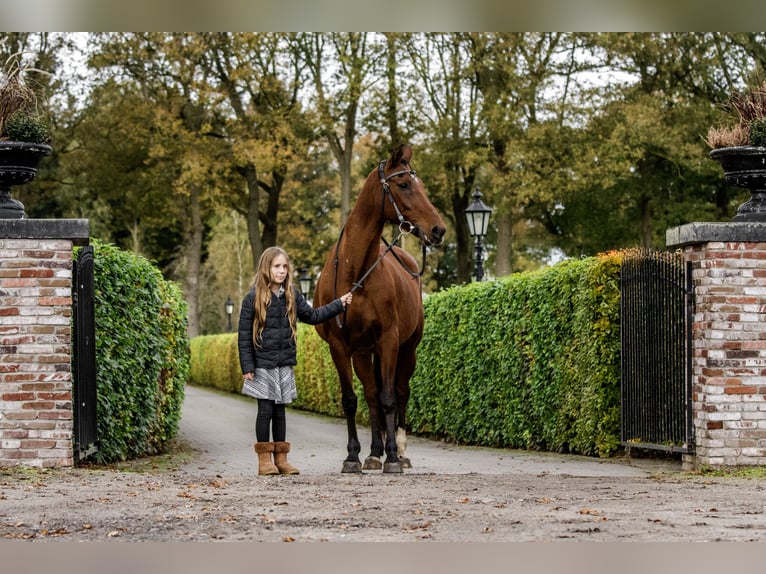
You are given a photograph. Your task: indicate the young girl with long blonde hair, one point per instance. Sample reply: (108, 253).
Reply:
(266, 341)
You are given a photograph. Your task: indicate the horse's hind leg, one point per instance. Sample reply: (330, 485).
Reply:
(365, 371)
(405, 367)
(349, 403)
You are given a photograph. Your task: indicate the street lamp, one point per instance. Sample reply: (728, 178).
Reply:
(477, 215)
(304, 281)
(229, 307)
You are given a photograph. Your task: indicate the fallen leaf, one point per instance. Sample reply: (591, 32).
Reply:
(588, 511)
(422, 526)
(288, 539)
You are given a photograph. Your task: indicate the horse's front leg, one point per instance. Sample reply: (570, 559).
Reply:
(353, 447)
(388, 406)
(349, 403)
(364, 370)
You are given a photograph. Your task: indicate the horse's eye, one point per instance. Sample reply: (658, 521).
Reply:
(403, 185)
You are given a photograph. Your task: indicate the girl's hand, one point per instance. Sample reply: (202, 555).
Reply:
(346, 299)
(248, 376)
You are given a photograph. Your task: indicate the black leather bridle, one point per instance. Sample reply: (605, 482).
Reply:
(405, 228)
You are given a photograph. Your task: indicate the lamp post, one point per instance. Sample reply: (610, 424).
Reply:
(304, 281)
(229, 307)
(477, 215)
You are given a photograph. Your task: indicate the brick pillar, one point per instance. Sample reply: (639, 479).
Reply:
(36, 418)
(729, 341)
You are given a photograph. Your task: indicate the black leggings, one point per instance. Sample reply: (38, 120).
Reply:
(270, 414)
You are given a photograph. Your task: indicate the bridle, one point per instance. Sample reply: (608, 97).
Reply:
(405, 228)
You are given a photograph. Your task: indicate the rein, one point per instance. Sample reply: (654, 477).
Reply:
(405, 228)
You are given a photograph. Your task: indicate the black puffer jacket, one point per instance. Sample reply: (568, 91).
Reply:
(277, 347)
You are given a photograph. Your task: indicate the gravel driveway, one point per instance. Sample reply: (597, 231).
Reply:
(452, 493)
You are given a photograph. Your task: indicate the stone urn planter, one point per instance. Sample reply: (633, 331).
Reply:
(745, 166)
(18, 165)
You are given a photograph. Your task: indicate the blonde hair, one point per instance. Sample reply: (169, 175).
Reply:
(262, 300)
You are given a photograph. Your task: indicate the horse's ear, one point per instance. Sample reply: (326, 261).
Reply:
(402, 154)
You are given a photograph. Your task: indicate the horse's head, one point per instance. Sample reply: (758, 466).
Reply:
(405, 201)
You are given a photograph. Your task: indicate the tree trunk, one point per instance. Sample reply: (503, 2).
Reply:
(464, 268)
(253, 216)
(193, 248)
(646, 223)
(270, 229)
(504, 251)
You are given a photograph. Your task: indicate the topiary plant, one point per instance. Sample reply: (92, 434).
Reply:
(757, 135)
(26, 127)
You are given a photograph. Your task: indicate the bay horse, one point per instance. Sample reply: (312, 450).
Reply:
(379, 333)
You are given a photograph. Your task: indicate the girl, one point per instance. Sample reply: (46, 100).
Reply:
(266, 343)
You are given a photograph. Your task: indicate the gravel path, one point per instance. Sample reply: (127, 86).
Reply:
(452, 494)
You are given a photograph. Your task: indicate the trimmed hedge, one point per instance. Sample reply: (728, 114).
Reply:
(527, 361)
(142, 355)
(215, 362)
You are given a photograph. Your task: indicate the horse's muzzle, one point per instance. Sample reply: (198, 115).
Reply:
(437, 235)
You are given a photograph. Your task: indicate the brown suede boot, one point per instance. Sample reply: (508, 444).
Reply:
(264, 450)
(280, 458)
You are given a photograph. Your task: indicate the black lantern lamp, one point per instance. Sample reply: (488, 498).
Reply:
(477, 215)
(304, 282)
(229, 307)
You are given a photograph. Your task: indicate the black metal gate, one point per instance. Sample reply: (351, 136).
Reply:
(656, 313)
(84, 355)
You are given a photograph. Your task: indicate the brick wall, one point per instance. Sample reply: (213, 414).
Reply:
(36, 419)
(729, 358)
(729, 341)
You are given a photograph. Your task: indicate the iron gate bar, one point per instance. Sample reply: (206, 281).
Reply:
(689, 301)
(656, 312)
(84, 355)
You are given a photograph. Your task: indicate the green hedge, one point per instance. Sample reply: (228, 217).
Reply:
(215, 362)
(527, 361)
(142, 355)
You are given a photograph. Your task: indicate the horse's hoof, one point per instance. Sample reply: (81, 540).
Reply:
(392, 467)
(352, 466)
(405, 462)
(372, 463)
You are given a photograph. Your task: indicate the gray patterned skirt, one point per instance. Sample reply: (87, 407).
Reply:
(277, 385)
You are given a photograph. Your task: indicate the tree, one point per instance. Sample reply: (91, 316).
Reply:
(339, 66)
(259, 76)
(643, 164)
(448, 106)
(183, 154)
(526, 81)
